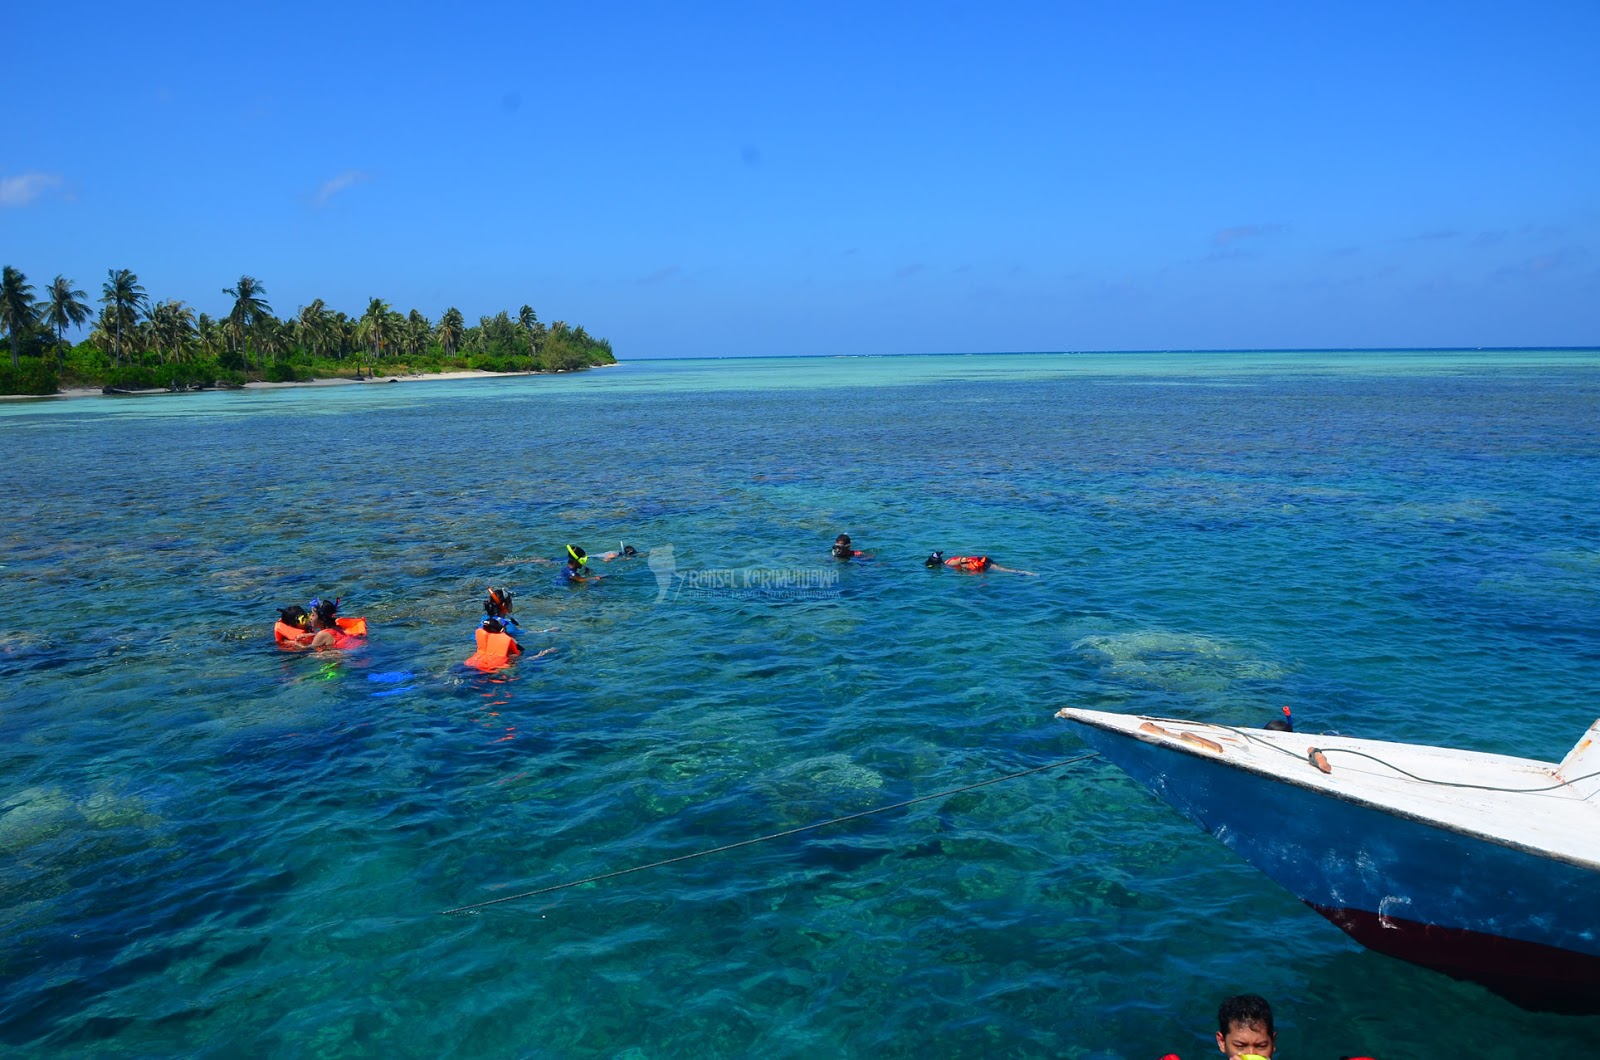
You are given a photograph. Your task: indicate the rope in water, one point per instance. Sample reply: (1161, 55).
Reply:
(765, 838)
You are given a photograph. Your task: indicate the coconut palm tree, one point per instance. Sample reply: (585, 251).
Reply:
(376, 329)
(316, 327)
(124, 295)
(451, 325)
(271, 336)
(418, 328)
(64, 306)
(209, 334)
(173, 325)
(248, 308)
(532, 330)
(18, 311)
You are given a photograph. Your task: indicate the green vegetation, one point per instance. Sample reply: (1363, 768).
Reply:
(138, 343)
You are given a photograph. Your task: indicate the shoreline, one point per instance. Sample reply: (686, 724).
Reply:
(411, 377)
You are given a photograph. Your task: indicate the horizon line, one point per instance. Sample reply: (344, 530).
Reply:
(1069, 353)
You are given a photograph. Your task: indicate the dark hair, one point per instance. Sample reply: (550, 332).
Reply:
(292, 616)
(1247, 1010)
(629, 550)
(934, 559)
(842, 550)
(493, 625)
(498, 603)
(326, 609)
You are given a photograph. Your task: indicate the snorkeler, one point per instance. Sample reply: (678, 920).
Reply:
(625, 552)
(496, 648)
(498, 607)
(293, 629)
(970, 564)
(843, 550)
(333, 631)
(577, 568)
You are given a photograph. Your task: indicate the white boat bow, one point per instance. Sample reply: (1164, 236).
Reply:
(1481, 865)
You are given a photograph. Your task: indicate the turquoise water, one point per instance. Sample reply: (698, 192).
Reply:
(211, 848)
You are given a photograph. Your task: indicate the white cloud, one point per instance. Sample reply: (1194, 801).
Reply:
(21, 190)
(344, 180)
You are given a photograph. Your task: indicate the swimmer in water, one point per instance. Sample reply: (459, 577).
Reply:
(970, 564)
(843, 550)
(577, 568)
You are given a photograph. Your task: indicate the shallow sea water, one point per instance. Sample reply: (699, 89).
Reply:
(212, 848)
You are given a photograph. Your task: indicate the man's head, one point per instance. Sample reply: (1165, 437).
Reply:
(1244, 1027)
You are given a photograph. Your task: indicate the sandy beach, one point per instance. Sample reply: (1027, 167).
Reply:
(85, 391)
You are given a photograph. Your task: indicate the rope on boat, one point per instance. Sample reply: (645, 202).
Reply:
(1250, 736)
(1457, 783)
(765, 838)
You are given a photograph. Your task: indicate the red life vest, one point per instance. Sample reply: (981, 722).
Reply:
(495, 650)
(969, 563)
(288, 637)
(350, 632)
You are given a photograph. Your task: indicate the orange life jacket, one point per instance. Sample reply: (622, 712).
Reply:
(288, 637)
(968, 563)
(494, 651)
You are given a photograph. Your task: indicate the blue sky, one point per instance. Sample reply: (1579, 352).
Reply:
(774, 178)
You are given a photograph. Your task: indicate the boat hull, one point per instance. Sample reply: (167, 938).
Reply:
(1515, 922)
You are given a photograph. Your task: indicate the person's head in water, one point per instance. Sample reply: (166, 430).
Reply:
(576, 557)
(1244, 1027)
(1283, 724)
(628, 551)
(498, 605)
(934, 561)
(295, 616)
(841, 547)
(493, 625)
(324, 612)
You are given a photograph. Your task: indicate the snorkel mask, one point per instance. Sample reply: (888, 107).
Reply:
(578, 554)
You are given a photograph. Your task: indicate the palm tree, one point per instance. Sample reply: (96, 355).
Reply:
(64, 306)
(342, 329)
(451, 325)
(271, 336)
(528, 321)
(210, 335)
(18, 312)
(122, 293)
(173, 325)
(417, 331)
(376, 328)
(316, 327)
(248, 308)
